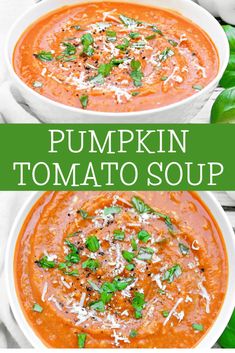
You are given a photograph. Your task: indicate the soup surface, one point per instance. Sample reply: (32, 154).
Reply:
(120, 269)
(115, 57)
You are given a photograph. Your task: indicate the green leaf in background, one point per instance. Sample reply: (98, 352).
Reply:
(228, 79)
(227, 339)
(223, 110)
(230, 32)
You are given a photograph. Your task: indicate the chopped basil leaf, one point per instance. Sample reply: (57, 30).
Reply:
(106, 297)
(165, 54)
(136, 73)
(116, 62)
(198, 87)
(128, 21)
(92, 243)
(44, 56)
(145, 254)
(112, 210)
(173, 42)
(128, 256)
(144, 236)
(108, 287)
(138, 303)
(172, 273)
(64, 265)
(125, 44)
(70, 49)
(81, 340)
(105, 69)
(164, 78)
(72, 257)
(83, 213)
(162, 292)
(71, 273)
(133, 333)
(45, 263)
(98, 79)
(138, 45)
(71, 246)
(37, 308)
(165, 313)
(91, 264)
(84, 101)
(184, 249)
(122, 283)
(94, 286)
(134, 35)
(111, 36)
(98, 305)
(130, 267)
(156, 30)
(87, 41)
(134, 244)
(142, 207)
(37, 84)
(70, 58)
(198, 327)
(135, 93)
(152, 36)
(119, 234)
(77, 27)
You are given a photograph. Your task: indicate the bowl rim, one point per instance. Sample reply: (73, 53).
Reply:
(214, 331)
(93, 113)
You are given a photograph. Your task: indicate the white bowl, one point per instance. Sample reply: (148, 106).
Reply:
(50, 111)
(219, 324)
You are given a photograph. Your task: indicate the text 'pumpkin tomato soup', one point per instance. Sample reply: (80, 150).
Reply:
(115, 57)
(120, 269)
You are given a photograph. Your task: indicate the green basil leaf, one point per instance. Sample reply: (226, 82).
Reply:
(128, 256)
(87, 41)
(165, 54)
(128, 21)
(116, 62)
(134, 35)
(223, 110)
(197, 87)
(122, 283)
(106, 297)
(92, 243)
(44, 56)
(71, 246)
(37, 308)
(140, 205)
(83, 213)
(98, 305)
(91, 264)
(119, 234)
(73, 257)
(197, 327)
(37, 84)
(230, 32)
(81, 340)
(138, 303)
(45, 263)
(70, 49)
(184, 249)
(77, 27)
(111, 36)
(93, 286)
(84, 101)
(125, 44)
(134, 244)
(73, 273)
(172, 273)
(133, 333)
(152, 36)
(145, 254)
(165, 313)
(173, 42)
(130, 267)
(98, 79)
(112, 210)
(144, 236)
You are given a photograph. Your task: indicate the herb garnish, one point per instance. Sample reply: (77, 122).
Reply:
(112, 210)
(91, 264)
(45, 263)
(98, 305)
(165, 54)
(138, 45)
(135, 94)
(134, 35)
(128, 21)
(173, 42)
(98, 79)
(125, 44)
(71, 273)
(165, 313)
(105, 69)
(83, 213)
(44, 56)
(136, 73)
(119, 234)
(84, 101)
(92, 243)
(37, 308)
(138, 303)
(150, 37)
(111, 36)
(73, 257)
(198, 327)
(184, 249)
(68, 53)
(81, 340)
(172, 273)
(156, 30)
(134, 244)
(145, 254)
(144, 236)
(128, 256)
(133, 333)
(37, 84)
(130, 267)
(198, 87)
(87, 41)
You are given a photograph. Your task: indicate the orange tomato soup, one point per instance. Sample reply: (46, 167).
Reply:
(115, 57)
(120, 269)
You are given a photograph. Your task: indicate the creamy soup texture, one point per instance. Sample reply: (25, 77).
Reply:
(120, 269)
(115, 57)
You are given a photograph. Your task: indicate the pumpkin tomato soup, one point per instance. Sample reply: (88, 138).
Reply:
(120, 269)
(115, 57)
